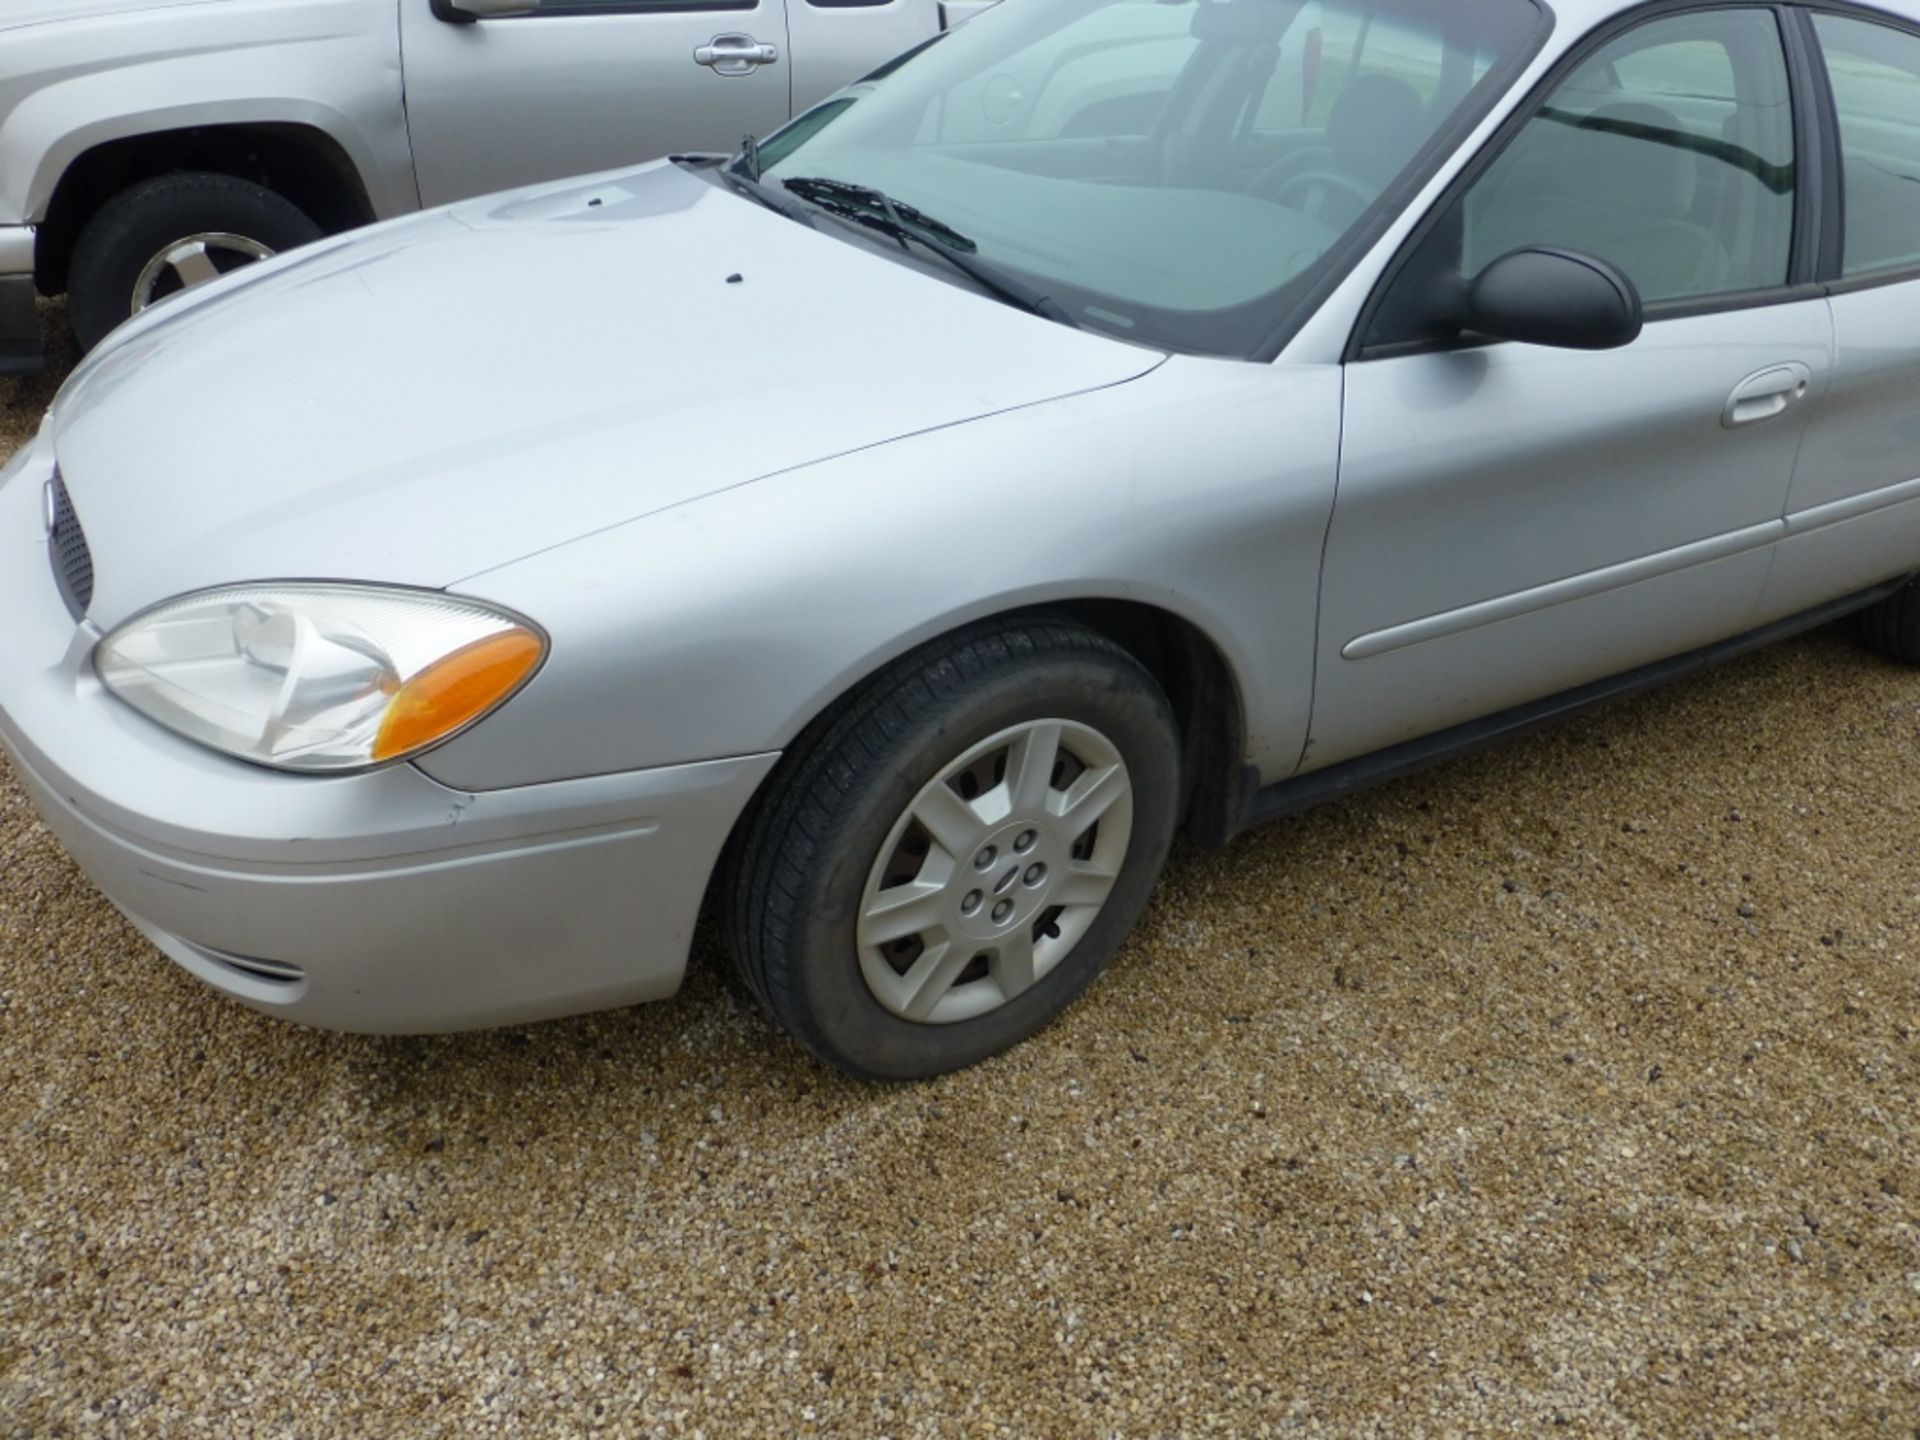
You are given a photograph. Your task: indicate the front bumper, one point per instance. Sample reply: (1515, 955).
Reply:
(20, 348)
(380, 902)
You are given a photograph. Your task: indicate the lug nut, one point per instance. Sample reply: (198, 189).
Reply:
(1025, 842)
(972, 903)
(984, 860)
(1002, 911)
(1035, 874)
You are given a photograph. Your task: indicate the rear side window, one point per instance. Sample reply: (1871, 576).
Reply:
(1875, 71)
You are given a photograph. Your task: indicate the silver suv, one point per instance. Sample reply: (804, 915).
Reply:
(147, 145)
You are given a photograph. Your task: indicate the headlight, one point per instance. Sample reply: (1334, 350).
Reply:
(318, 677)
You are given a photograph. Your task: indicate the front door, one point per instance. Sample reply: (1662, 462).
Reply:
(1515, 521)
(586, 85)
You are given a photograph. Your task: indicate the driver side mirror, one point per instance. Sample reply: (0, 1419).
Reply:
(1563, 298)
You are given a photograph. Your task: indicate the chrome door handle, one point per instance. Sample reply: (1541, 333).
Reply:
(734, 54)
(1766, 394)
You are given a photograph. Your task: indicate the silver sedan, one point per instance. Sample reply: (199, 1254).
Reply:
(1119, 417)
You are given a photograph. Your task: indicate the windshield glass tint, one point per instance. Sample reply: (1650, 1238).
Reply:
(1175, 171)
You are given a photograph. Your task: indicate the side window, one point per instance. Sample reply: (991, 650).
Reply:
(1875, 72)
(1669, 152)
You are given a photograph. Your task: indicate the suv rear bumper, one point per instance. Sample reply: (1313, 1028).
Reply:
(19, 322)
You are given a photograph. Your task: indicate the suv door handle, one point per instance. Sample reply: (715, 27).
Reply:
(1766, 394)
(734, 54)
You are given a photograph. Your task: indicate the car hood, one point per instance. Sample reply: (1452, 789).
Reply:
(450, 392)
(17, 14)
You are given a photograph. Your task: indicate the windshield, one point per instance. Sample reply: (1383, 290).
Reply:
(1179, 172)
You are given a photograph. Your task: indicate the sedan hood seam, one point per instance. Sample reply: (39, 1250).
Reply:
(1160, 360)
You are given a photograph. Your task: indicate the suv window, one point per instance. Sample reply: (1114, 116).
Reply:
(1875, 71)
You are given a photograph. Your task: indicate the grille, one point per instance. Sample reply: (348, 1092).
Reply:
(67, 545)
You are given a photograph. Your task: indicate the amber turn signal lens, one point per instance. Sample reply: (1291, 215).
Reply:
(451, 692)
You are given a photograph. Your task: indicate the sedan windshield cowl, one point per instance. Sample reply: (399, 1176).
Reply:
(762, 193)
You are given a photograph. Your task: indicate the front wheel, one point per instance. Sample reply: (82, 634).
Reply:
(163, 236)
(953, 855)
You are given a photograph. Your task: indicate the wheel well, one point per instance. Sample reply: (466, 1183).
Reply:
(1191, 670)
(303, 164)
(1187, 666)
(1206, 704)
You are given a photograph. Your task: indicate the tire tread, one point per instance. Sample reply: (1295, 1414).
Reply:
(101, 251)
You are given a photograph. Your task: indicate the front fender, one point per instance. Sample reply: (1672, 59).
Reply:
(723, 626)
(330, 65)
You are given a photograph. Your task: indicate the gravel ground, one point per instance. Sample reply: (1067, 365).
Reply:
(1570, 1087)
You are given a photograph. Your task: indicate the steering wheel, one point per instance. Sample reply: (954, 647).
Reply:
(1288, 167)
(1310, 190)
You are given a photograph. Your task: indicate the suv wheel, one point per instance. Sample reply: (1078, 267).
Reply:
(163, 236)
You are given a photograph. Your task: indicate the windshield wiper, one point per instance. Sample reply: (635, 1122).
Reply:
(823, 191)
(901, 222)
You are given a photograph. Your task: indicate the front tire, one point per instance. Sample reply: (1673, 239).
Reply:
(162, 236)
(955, 852)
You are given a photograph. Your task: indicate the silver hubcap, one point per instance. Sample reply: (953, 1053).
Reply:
(194, 261)
(995, 871)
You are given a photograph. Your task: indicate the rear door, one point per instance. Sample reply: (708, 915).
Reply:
(1514, 521)
(1854, 515)
(586, 85)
